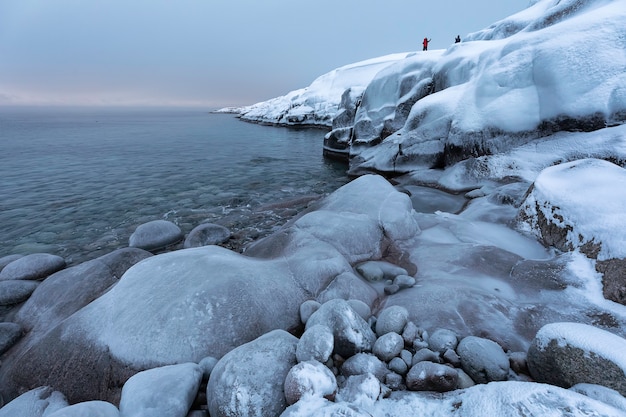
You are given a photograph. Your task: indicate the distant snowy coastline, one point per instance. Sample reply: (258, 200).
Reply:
(486, 279)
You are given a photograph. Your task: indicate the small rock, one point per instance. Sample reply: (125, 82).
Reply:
(391, 289)
(404, 281)
(155, 235)
(392, 319)
(442, 340)
(5, 260)
(370, 271)
(451, 357)
(316, 343)
(410, 333)
(465, 381)
(364, 363)
(388, 346)
(483, 359)
(398, 366)
(407, 357)
(395, 381)
(348, 286)
(429, 376)
(425, 355)
(207, 364)
(35, 266)
(307, 308)
(517, 361)
(207, 234)
(309, 378)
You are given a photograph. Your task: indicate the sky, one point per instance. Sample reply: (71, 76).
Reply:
(210, 53)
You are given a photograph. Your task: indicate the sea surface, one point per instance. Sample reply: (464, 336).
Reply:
(76, 182)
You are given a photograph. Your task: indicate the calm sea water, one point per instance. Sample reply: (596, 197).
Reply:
(77, 182)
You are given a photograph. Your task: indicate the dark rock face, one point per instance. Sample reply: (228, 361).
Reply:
(429, 376)
(613, 279)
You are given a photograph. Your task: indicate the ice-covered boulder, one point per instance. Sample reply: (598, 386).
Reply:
(67, 291)
(155, 235)
(38, 402)
(36, 266)
(348, 286)
(561, 216)
(565, 354)
(316, 343)
(167, 391)
(88, 408)
(206, 234)
(249, 380)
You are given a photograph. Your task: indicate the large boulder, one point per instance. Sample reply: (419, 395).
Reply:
(558, 214)
(67, 291)
(249, 380)
(566, 354)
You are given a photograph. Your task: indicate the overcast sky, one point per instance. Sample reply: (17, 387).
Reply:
(212, 53)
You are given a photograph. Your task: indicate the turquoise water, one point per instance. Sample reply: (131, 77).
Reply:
(77, 182)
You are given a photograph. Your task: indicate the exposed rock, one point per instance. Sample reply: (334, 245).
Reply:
(361, 308)
(207, 234)
(155, 235)
(566, 354)
(425, 355)
(362, 390)
(249, 380)
(307, 309)
(374, 271)
(35, 266)
(207, 364)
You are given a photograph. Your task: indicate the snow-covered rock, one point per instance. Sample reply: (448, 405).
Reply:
(566, 354)
(561, 216)
(317, 104)
(309, 378)
(249, 380)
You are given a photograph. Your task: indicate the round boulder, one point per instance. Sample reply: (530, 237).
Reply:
(442, 340)
(388, 346)
(35, 266)
(364, 363)
(15, 291)
(155, 235)
(483, 360)
(207, 234)
(392, 319)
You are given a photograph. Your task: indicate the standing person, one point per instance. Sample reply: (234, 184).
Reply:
(457, 39)
(425, 43)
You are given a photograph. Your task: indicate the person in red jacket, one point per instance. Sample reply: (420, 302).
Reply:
(425, 43)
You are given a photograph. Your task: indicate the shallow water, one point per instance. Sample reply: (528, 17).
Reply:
(77, 182)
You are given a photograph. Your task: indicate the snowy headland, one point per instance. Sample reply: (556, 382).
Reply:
(475, 266)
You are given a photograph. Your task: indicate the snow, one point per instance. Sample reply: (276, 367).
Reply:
(588, 338)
